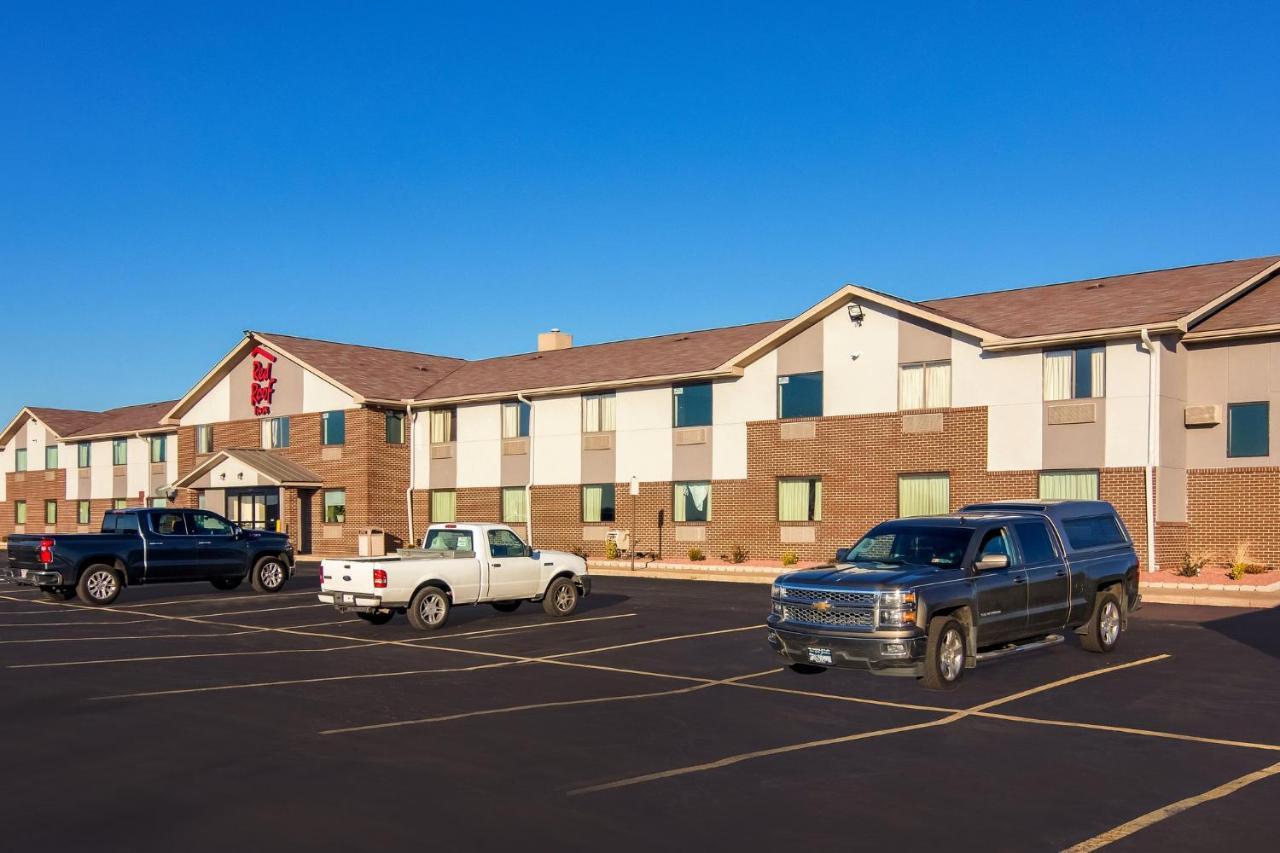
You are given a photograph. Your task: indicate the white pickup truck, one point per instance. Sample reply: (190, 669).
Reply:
(457, 564)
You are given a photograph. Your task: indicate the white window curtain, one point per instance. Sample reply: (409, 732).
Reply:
(695, 497)
(937, 385)
(592, 501)
(1098, 361)
(514, 506)
(598, 412)
(911, 386)
(1057, 375)
(924, 494)
(441, 426)
(510, 420)
(1069, 485)
(444, 506)
(800, 500)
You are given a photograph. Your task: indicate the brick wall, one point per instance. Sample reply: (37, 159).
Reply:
(1228, 507)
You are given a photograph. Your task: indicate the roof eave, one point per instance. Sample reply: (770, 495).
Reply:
(164, 429)
(1083, 337)
(553, 390)
(1224, 299)
(1265, 329)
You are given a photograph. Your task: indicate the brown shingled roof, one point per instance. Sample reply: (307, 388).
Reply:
(1136, 299)
(618, 361)
(125, 419)
(64, 422)
(1258, 307)
(372, 372)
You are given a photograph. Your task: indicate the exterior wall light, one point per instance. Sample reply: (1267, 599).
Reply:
(856, 314)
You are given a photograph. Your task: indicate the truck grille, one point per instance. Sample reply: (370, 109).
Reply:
(848, 599)
(836, 618)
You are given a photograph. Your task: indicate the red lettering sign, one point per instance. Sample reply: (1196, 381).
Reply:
(262, 387)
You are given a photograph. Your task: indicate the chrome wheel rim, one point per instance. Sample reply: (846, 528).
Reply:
(272, 575)
(951, 655)
(101, 585)
(1109, 623)
(564, 597)
(432, 609)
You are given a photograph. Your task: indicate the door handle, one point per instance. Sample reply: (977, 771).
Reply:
(154, 544)
(495, 565)
(1062, 573)
(1020, 579)
(204, 543)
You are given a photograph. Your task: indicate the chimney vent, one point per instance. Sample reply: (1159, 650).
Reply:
(553, 340)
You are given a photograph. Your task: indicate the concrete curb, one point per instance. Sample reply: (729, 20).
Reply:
(1211, 598)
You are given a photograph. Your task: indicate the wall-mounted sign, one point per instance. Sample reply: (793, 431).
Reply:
(262, 387)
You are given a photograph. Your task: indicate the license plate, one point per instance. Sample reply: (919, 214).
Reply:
(820, 656)
(348, 598)
(24, 573)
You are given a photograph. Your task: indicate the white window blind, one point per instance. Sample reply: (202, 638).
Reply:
(1069, 485)
(444, 506)
(514, 506)
(442, 426)
(924, 494)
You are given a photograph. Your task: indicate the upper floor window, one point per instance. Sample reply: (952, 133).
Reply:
(924, 385)
(278, 432)
(120, 451)
(800, 499)
(82, 455)
(598, 412)
(20, 459)
(1248, 425)
(395, 427)
(204, 438)
(51, 457)
(1075, 373)
(159, 448)
(800, 395)
(333, 427)
(515, 419)
(1069, 485)
(691, 405)
(444, 429)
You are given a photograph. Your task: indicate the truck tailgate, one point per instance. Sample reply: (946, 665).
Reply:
(354, 575)
(22, 552)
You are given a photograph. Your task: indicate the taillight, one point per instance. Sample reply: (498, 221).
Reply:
(380, 578)
(45, 554)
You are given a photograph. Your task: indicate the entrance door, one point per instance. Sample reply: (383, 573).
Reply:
(255, 509)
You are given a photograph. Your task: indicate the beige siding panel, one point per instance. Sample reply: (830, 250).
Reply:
(803, 353)
(1081, 445)
(515, 469)
(691, 461)
(921, 341)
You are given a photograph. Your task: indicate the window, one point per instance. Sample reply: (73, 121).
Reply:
(924, 494)
(120, 451)
(159, 448)
(1075, 373)
(444, 429)
(926, 546)
(515, 419)
(50, 512)
(691, 405)
(82, 455)
(157, 503)
(204, 438)
(504, 543)
(444, 505)
(995, 544)
(598, 503)
(206, 523)
(82, 512)
(1037, 544)
(333, 428)
(121, 523)
(800, 499)
(51, 457)
(458, 541)
(20, 459)
(1247, 427)
(119, 503)
(168, 523)
(278, 432)
(926, 385)
(395, 427)
(19, 512)
(800, 395)
(692, 502)
(515, 507)
(202, 499)
(1069, 485)
(1097, 531)
(335, 506)
(599, 412)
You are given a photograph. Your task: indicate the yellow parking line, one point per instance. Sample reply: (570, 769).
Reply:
(557, 623)
(210, 598)
(1126, 730)
(133, 637)
(152, 658)
(1138, 824)
(859, 700)
(65, 624)
(198, 617)
(1062, 682)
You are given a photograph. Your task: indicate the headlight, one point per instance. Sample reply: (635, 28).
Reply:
(897, 609)
(776, 591)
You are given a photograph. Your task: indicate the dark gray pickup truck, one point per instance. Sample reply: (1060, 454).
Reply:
(144, 546)
(931, 597)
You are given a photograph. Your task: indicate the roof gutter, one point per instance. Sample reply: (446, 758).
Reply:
(498, 396)
(1085, 336)
(413, 468)
(1232, 334)
(1153, 383)
(528, 483)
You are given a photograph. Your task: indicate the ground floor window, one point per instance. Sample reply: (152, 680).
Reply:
(924, 494)
(82, 512)
(515, 505)
(157, 503)
(1069, 485)
(119, 503)
(50, 512)
(691, 502)
(19, 512)
(800, 499)
(598, 502)
(335, 506)
(444, 506)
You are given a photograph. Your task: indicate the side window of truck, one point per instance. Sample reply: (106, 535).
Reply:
(126, 524)
(1096, 531)
(208, 524)
(504, 543)
(1036, 542)
(996, 543)
(169, 524)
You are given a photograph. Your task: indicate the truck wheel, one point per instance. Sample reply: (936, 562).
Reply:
(99, 585)
(945, 656)
(226, 583)
(268, 575)
(1106, 623)
(429, 609)
(506, 606)
(561, 598)
(377, 617)
(59, 593)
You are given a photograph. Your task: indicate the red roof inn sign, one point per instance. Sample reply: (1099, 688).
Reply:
(263, 386)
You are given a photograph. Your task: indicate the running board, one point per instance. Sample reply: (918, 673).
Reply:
(1013, 649)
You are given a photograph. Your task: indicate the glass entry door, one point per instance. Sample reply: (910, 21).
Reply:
(254, 508)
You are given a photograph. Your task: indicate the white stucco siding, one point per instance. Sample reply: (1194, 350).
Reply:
(319, 395)
(101, 470)
(869, 382)
(6, 465)
(213, 407)
(37, 440)
(644, 434)
(1010, 385)
(420, 435)
(138, 472)
(479, 446)
(557, 441)
(1127, 405)
(736, 402)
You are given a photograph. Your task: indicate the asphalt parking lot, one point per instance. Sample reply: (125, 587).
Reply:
(186, 718)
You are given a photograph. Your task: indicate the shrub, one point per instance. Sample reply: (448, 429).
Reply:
(610, 549)
(1241, 564)
(738, 555)
(1192, 564)
(789, 558)
(696, 554)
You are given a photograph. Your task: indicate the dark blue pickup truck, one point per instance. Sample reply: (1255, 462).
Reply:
(144, 546)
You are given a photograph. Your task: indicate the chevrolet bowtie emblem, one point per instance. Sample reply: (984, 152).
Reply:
(824, 606)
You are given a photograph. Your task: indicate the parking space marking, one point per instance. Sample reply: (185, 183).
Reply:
(859, 700)
(207, 599)
(317, 624)
(952, 717)
(511, 709)
(152, 658)
(200, 616)
(64, 624)
(1138, 824)
(133, 637)
(1126, 730)
(554, 624)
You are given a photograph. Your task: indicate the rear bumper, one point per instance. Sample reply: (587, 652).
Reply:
(31, 577)
(354, 602)
(881, 655)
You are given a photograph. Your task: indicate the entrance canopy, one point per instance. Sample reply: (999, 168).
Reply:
(240, 467)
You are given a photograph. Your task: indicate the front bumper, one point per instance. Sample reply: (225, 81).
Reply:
(584, 582)
(883, 655)
(30, 577)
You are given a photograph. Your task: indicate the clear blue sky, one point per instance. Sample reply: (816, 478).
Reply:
(455, 178)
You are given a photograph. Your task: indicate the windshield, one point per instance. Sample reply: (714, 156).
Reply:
(927, 546)
(448, 540)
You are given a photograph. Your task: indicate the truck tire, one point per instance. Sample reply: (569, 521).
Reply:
(1102, 633)
(226, 583)
(378, 617)
(506, 606)
(99, 585)
(429, 609)
(944, 657)
(268, 575)
(59, 593)
(561, 598)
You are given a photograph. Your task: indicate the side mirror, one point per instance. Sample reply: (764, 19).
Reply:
(534, 553)
(842, 555)
(992, 561)
(237, 531)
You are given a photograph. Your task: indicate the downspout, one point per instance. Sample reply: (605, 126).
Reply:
(1153, 362)
(528, 484)
(413, 471)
